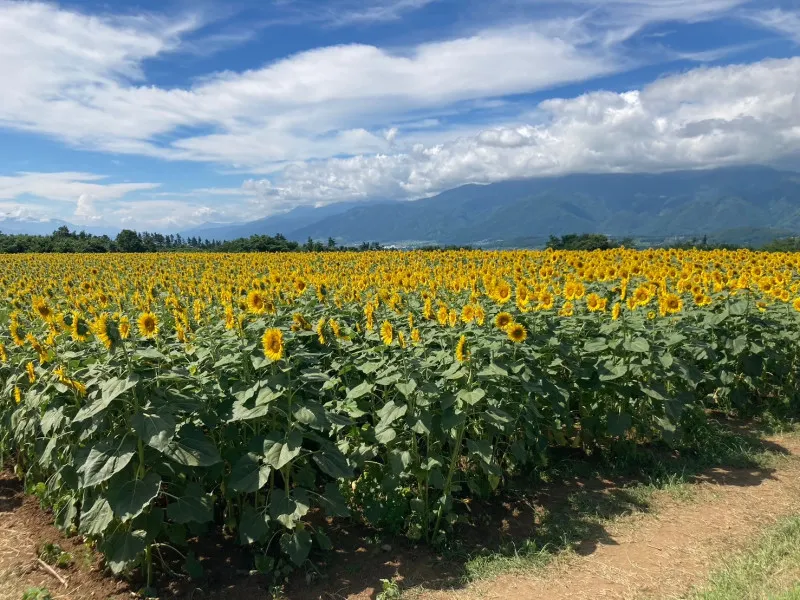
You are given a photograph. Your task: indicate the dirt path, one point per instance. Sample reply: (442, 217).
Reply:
(665, 553)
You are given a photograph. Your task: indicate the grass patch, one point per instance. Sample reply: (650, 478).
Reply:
(612, 486)
(769, 570)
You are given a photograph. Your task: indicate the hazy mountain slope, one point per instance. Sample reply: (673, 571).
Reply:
(678, 203)
(284, 223)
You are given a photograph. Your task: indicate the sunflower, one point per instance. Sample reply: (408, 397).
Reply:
(468, 313)
(594, 302)
(516, 333)
(672, 304)
(401, 339)
(3, 353)
(31, 373)
(320, 329)
(124, 328)
(16, 331)
(442, 315)
(480, 315)
(415, 336)
(452, 318)
(17, 394)
(41, 307)
(299, 322)
(567, 310)
(79, 328)
(615, 311)
(387, 333)
(273, 344)
(256, 302)
(796, 304)
(148, 325)
(462, 353)
(103, 332)
(651, 315)
(503, 293)
(503, 320)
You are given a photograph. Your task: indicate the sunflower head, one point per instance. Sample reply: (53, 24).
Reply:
(387, 333)
(320, 329)
(503, 320)
(517, 333)
(148, 325)
(462, 353)
(272, 341)
(17, 394)
(256, 302)
(796, 304)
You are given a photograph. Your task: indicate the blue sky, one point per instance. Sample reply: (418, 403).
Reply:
(163, 115)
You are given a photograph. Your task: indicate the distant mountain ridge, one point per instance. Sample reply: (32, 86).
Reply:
(15, 226)
(647, 206)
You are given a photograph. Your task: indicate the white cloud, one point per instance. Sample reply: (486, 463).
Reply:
(79, 78)
(782, 21)
(65, 186)
(677, 122)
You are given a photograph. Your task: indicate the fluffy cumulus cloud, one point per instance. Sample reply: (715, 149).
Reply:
(359, 121)
(677, 122)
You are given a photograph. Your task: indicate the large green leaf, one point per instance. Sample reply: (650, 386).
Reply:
(123, 549)
(472, 397)
(619, 423)
(96, 520)
(249, 474)
(296, 545)
(194, 506)
(333, 463)
(155, 430)
(131, 498)
(110, 390)
(288, 509)
(362, 389)
(192, 448)
(280, 451)
(391, 411)
(253, 526)
(333, 502)
(105, 459)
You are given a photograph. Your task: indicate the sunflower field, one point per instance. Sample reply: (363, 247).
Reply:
(152, 398)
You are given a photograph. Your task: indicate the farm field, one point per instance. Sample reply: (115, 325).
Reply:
(150, 399)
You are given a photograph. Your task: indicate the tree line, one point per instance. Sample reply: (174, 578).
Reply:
(63, 241)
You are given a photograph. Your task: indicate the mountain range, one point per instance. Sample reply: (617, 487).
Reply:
(737, 204)
(746, 204)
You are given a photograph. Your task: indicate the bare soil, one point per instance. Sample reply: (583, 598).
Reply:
(657, 550)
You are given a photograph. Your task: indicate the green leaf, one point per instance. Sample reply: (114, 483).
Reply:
(253, 526)
(192, 448)
(311, 413)
(596, 345)
(123, 549)
(738, 308)
(481, 448)
(391, 411)
(639, 344)
(278, 452)
(333, 502)
(333, 463)
(110, 390)
(406, 387)
(131, 498)
(248, 474)
(471, 397)
(193, 507)
(296, 545)
(105, 459)
(288, 509)
(493, 370)
(96, 520)
(384, 435)
(362, 389)
(739, 345)
(156, 431)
